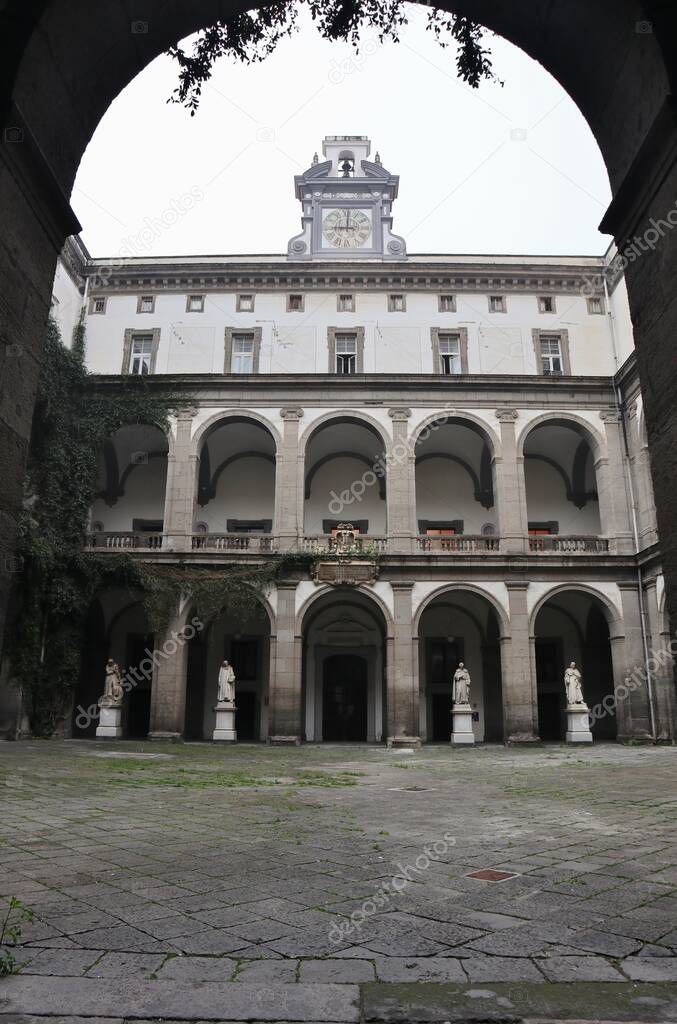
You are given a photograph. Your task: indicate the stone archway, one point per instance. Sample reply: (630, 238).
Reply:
(62, 67)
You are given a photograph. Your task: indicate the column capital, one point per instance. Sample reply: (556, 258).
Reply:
(517, 584)
(401, 585)
(506, 415)
(399, 414)
(187, 412)
(610, 415)
(291, 413)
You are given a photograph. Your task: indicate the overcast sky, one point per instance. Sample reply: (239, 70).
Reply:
(494, 170)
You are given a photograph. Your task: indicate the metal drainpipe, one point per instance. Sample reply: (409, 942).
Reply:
(635, 528)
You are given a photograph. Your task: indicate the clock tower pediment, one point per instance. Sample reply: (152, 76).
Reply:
(346, 205)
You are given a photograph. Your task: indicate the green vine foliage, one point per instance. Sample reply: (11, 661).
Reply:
(250, 36)
(57, 579)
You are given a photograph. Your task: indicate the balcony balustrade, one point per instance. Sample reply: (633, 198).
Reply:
(124, 540)
(252, 542)
(461, 544)
(574, 545)
(365, 544)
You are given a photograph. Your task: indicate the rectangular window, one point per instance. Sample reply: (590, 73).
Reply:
(551, 356)
(195, 304)
(145, 304)
(245, 303)
(595, 306)
(346, 353)
(546, 304)
(497, 304)
(140, 354)
(450, 353)
(242, 359)
(345, 303)
(295, 303)
(97, 304)
(447, 303)
(397, 303)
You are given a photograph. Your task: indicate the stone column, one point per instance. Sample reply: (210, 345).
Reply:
(661, 661)
(181, 489)
(640, 468)
(288, 523)
(402, 672)
(634, 714)
(510, 488)
(612, 485)
(170, 676)
(285, 692)
(518, 671)
(400, 486)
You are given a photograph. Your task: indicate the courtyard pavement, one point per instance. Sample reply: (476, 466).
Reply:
(249, 882)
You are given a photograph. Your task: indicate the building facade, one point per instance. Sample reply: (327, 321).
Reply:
(458, 440)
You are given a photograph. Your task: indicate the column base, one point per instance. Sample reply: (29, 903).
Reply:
(224, 731)
(110, 722)
(404, 741)
(578, 724)
(462, 732)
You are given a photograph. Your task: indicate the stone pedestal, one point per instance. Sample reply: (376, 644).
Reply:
(462, 734)
(225, 722)
(404, 741)
(110, 721)
(578, 724)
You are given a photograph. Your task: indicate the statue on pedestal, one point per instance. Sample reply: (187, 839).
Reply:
(226, 690)
(113, 691)
(573, 685)
(461, 692)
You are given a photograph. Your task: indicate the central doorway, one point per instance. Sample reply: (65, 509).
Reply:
(344, 699)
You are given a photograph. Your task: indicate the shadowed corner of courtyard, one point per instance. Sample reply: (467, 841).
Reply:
(336, 882)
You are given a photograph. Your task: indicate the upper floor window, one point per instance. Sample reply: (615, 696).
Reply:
(346, 353)
(245, 303)
(345, 303)
(397, 303)
(595, 305)
(551, 356)
(242, 360)
(145, 304)
(195, 304)
(446, 303)
(497, 304)
(450, 353)
(546, 304)
(295, 303)
(97, 304)
(141, 354)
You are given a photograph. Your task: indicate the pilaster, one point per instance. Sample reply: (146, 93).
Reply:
(612, 485)
(288, 524)
(170, 675)
(661, 664)
(181, 489)
(400, 486)
(518, 665)
(510, 488)
(629, 662)
(402, 671)
(286, 651)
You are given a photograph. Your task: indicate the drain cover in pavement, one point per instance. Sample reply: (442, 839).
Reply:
(490, 875)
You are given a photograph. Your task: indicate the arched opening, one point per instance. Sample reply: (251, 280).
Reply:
(117, 627)
(344, 669)
(245, 642)
(236, 483)
(455, 505)
(573, 626)
(345, 479)
(460, 625)
(129, 506)
(561, 488)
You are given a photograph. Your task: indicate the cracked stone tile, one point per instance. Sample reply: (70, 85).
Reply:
(264, 972)
(578, 968)
(650, 968)
(501, 968)
(432, 968)
(125, 965)
(66, 962)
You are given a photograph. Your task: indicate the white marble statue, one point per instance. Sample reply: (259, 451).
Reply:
(461, 685)
(113, 691)
(572, 684)
(226, 691)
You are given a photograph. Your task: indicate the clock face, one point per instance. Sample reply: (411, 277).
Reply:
(346, 229)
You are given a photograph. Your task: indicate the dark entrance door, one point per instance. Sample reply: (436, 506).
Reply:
(344, 703)
(246, 717)
(549, 673)
(443, 658)
(138, 720)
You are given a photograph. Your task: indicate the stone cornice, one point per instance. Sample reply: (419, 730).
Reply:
(217, 276)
